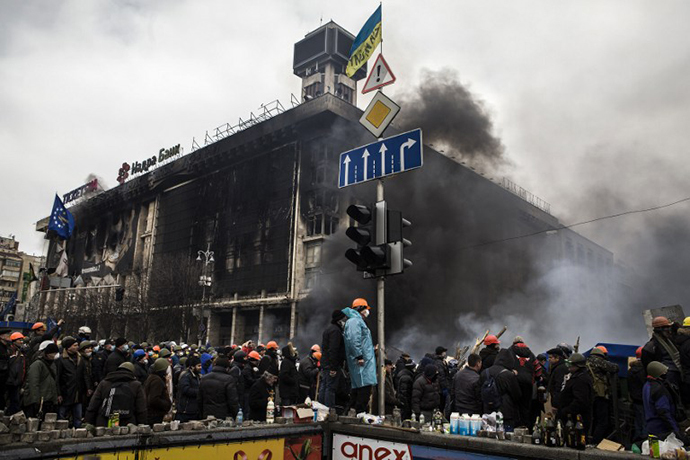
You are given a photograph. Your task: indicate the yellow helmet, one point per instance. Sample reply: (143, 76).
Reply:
(686, 321)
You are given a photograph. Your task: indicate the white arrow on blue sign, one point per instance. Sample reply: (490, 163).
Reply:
(383, 158)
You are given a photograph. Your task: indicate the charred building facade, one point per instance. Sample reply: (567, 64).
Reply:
(265, 201)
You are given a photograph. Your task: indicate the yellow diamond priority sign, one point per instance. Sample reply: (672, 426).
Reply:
(379, 114)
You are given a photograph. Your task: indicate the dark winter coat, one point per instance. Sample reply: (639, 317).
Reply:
(98, 365)
(72, 378)
(508, 387)
(137, 411)
(41, 382)
(141, 371)
(258, 400)
(88, 377)
(655, 351)
(601, 371)
(577, 397)
(307, 375)
(18, 367)
(218, 394)
(488, 355)
(444, 381)
(236, 372)
(465, 393)
(116, 358)
(288, 380)
(188, 394)
(637, 377)
(332, 348)
(683, 345)
(659, 408)
(157, 398)
(405, 380)
(557, 374)
(36, 341)
(426, 395)
(5, 350)
(269, 362)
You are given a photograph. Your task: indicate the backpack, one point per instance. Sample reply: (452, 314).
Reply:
(120, 400)
(491, 397)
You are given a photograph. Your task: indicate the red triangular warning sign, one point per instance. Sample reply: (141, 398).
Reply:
(380, 75)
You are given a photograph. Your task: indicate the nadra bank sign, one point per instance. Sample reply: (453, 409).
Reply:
(355, 448)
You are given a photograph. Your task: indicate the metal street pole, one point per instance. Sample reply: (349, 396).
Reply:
(380, 302)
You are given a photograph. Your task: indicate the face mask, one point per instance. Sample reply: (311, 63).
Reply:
(53, 357)
(97, 348)
(88, 354)
(365, 313)
(125, 348)
(145, 361)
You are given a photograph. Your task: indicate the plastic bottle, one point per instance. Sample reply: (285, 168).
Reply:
(455, 423)
(413, 418)
(464, 427)
(270, 409)
(240, 418)
(475, 424)
(397, 417)
(421, 419)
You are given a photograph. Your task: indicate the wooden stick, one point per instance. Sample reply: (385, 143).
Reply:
(505, 328)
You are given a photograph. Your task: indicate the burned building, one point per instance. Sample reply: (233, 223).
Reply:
(263, 198)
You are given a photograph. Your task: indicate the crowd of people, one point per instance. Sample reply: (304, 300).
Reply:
(90, 382)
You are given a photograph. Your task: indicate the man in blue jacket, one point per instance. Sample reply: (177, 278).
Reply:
(659, 403)
(359, 352)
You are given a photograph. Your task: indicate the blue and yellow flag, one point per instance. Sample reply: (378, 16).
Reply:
(365, 43)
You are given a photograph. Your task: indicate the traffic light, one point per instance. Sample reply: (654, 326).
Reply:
(397, 243)
(371, 236)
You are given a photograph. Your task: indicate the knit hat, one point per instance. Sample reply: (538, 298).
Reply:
(50, 349)
(160, 364)
(556, 351)
(577, 359)
(128, 366)
(337, 315)
(518, 339)
(68, 342)
(120, 341)
(85, 344)
(192, 361)
(222, 362)
(656, 369)
(430, 370)
(240, 356)
(440, 350)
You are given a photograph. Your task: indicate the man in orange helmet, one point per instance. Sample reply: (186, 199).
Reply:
(662, 348)
(490, 351)
(308, 372)
(17, 372)
(269, 362)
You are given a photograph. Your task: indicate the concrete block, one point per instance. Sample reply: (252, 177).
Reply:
(3, 428)
(212, 425)
(5, 439)
(247, 423)
(43, 436)
(124, 430)
(29, 437)
(31, 425)
(196, 425)
(348, 419)
(158, 427)
(62, 424)
(66, 434)
(144, 429)
(50, 417)
(80, 433)
(187, 426)
(100, 431)
(18, 419)
(48, 426)
(5, 419)
(18, 429)
(166, 426)
(54, 435)
(132, 428)
(174, 425)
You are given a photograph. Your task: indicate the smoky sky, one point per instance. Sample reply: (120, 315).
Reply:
(452, 118)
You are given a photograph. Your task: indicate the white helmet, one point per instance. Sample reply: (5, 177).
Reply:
(86, 330)
(44, 344)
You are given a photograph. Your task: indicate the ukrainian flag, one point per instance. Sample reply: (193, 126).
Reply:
(365, 43)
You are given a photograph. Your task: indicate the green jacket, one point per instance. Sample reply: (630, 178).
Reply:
(41, 383)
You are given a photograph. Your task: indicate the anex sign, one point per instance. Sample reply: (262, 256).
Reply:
(355, 448)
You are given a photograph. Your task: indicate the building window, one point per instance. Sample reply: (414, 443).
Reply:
(313, 254)
(311, 276)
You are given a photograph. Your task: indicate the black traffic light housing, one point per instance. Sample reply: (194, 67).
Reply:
(379, 238)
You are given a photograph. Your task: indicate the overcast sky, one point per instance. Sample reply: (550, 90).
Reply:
(590, 99)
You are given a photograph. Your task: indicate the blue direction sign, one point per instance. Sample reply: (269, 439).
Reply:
(383, 158)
